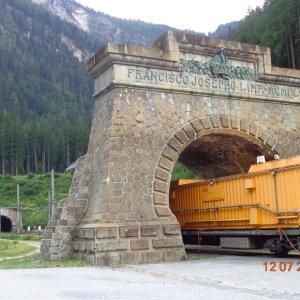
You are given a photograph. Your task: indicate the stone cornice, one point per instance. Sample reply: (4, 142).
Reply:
(166, 51)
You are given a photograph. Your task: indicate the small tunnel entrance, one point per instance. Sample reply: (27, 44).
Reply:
(6, 224)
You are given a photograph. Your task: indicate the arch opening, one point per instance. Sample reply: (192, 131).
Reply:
(212, 155)
(6, 224)
(219, 155)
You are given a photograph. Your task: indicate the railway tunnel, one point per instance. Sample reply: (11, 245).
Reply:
(218, 155)
(6, 224)
(8, 220)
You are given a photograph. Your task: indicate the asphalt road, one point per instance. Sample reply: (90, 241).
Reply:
(213, 277)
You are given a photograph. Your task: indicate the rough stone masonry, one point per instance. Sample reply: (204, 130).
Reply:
(212, 104)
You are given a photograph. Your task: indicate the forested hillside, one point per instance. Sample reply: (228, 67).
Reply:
(45, 93)
(275, 25)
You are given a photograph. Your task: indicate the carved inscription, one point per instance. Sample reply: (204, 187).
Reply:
(203, 83)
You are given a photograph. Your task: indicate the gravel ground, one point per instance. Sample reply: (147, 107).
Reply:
(212, 277)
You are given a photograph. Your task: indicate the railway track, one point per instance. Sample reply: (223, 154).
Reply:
(205, 249)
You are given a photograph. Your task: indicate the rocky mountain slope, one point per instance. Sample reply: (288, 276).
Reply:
(45, 92)
(103, 27)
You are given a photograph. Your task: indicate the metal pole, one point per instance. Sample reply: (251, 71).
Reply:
(21, 217)
(52, 193)
(49, 203)
(18, 208)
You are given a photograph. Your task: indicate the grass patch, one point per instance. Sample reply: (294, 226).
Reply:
(20, 237)
(182, 172)
(14, 248)
(33, 194)
(34, 262)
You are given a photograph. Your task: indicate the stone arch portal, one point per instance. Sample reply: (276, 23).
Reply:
(212, 146)
(8, 219)
(182, 99)
(6, 224)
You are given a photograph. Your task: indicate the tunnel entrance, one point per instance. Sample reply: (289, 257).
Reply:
(211, 156)
(219, 155)
(6, 224)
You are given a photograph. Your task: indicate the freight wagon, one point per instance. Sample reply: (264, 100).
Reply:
(252, 210)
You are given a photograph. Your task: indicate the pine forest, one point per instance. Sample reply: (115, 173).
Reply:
(46, 95)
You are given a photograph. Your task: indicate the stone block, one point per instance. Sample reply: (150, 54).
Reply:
(89, 257)
(174, 255)
(189, 130)
(108, 259)
(271, 142)
(149, 230)
(46, 243)
(78, 210)
(160, 186)
(54, 243)
(279, 148)
(81, 245)
(75, 246)
(197, 125)
(172, 230)
(77, 255)
(90, 246)
(169, 153)
(162, 174)
(45, 248)
(206, 123)
(224, 121)
(106, 232)
(129, 232)
(234, 123)
(57, 236)
(175, 144)
(139, 244)
(112, 246)
(262, 136)
(253, 129)
(161, 199)
(55, 257)
(165, 163)
(181, 136)
(130, 257)
(152, 257)
(244, 126)
(162, 211)
(215, 120)
(167, 243)
(88, 233)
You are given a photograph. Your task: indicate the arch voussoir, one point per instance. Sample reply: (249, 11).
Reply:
(196, 129)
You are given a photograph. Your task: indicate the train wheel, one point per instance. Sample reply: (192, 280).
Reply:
(281, 251)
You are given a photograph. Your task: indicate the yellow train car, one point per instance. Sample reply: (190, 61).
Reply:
(243, 211)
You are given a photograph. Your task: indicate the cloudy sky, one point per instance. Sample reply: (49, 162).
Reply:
(198, 15)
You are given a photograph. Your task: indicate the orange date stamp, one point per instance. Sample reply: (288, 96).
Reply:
(282, 266)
